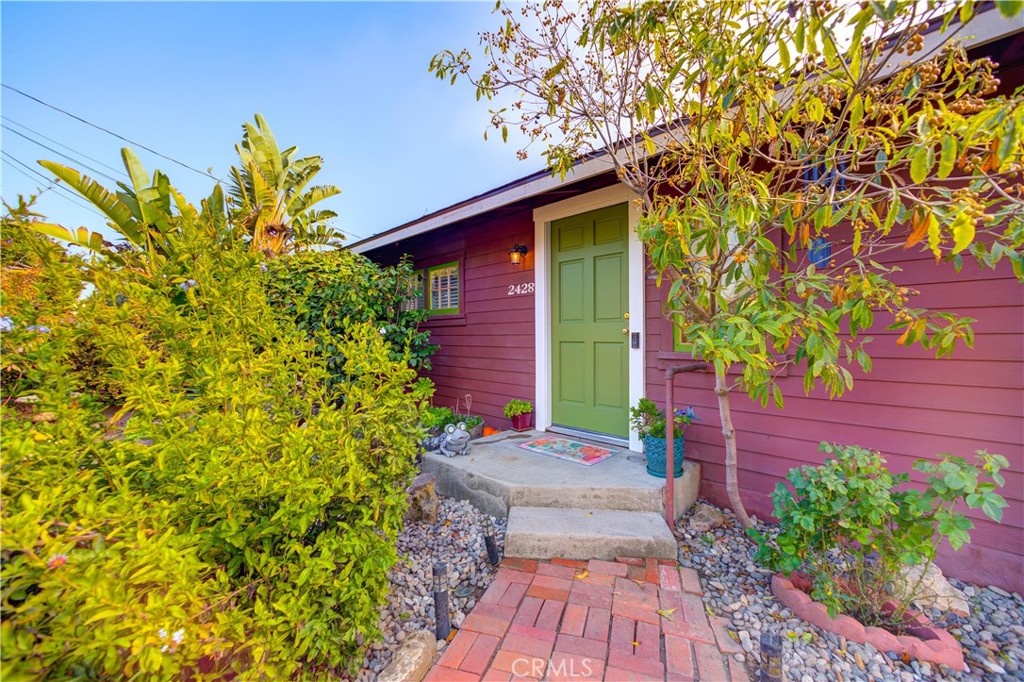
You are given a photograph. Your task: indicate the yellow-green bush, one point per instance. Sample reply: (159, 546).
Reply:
(232, 514)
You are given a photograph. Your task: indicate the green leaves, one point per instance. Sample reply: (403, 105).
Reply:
(963, 232)
(921, 164)
(852, 526)
(1009, 8)
(226, 495)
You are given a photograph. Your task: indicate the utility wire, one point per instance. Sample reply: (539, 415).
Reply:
(119, 171)
(120, 137)
(110, 132)
(69, 158)
(67, 195)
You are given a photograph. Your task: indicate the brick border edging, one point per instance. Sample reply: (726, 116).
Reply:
(927, 642)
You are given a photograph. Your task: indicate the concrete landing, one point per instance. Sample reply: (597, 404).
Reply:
(499, 475)
(541, 533)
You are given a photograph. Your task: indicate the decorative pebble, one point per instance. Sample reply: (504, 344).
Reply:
(457, 540)
(740, 591)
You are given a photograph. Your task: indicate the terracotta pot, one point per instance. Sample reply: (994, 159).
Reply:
(522, 422)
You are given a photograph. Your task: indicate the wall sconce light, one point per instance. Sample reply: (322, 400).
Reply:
(517, 253)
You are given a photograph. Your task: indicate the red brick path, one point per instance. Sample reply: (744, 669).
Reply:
(596, 620)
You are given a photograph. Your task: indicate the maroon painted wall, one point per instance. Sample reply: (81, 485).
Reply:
(488, 350)
(911, 405)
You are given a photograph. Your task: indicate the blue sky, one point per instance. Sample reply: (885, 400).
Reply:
(345, 80)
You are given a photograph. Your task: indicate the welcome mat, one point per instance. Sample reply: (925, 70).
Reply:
(571, 450)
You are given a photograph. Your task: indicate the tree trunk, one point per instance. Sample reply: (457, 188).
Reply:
(732, 487)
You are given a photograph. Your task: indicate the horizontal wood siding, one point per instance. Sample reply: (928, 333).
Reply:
(488, 350)
(911, 405)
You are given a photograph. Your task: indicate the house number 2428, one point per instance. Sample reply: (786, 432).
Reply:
(520, 289)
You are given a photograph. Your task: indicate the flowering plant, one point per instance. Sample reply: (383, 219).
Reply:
(647, 420)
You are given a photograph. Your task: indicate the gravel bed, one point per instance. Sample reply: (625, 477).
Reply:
(456, 539)
(736, 588)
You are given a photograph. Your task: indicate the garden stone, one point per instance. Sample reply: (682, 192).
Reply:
(704, 518)
(934, 591)
(412, 660)
(423, 502)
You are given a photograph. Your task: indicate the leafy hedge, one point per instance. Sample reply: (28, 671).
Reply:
(235, 513)
(325, 293)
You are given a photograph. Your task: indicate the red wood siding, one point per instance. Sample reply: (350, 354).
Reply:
(488, 350)
(911, 405)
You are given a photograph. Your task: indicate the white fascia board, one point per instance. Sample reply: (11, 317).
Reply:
(582, 171)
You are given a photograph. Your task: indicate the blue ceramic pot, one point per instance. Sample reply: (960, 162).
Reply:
(656, 449)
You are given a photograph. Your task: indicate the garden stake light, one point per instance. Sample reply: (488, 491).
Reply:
(770, 669)
(489, 541)
(442, 618)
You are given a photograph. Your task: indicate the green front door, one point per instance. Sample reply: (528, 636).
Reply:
(589, 321)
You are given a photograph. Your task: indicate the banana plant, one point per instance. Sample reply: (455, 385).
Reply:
(271, 197)
(143, 213)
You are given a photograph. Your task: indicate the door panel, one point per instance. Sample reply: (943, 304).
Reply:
(571, 301)
(589, 299)
(571, 375)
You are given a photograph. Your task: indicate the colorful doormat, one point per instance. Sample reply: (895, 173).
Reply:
(572, 450)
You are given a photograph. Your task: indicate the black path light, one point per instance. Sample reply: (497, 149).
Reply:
(490, 542)
(770, 669)
(442, 617)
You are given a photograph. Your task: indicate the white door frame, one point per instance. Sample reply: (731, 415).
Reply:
(542, 219)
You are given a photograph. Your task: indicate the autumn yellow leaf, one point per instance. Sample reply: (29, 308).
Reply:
(582, 575)
(666, 613)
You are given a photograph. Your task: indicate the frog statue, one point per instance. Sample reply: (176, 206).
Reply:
(455, 440)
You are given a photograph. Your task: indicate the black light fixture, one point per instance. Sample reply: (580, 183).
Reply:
(517, 253)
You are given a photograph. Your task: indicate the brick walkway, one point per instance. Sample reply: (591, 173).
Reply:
(631, 619)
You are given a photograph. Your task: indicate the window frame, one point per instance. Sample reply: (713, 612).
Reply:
(428, 289)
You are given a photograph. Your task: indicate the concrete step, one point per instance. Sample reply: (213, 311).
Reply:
(544, 532)
(498, 475)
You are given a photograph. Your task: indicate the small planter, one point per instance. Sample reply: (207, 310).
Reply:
(656, 450)
(924, 640)
(477, 430)
(522, 422)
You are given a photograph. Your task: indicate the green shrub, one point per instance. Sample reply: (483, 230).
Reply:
(516, 407)
(648, 420)
(325, 293)
(851, 525)
(437, 417)
(40, 285)
(235, 514)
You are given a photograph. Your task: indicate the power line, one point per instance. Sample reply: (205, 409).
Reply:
(69, 158)
(61, 144)
(67, 196)
(110, 132)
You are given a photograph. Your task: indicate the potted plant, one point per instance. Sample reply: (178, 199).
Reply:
(474, 423)
(521, 414)
(649, 422)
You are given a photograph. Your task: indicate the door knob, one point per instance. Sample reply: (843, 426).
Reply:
(625, 331)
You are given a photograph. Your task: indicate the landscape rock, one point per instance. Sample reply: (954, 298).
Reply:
(704, 518)
(423, 502)
(724, 559)
(412, 660)
(935, 592)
